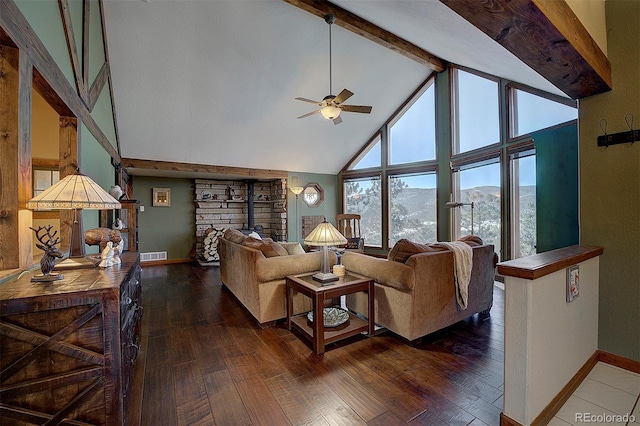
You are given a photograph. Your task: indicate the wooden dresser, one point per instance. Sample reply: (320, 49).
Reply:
(68, 348)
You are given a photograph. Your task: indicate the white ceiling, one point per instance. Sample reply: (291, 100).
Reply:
(213, 82)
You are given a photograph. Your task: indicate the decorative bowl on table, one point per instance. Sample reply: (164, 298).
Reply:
(333, 317)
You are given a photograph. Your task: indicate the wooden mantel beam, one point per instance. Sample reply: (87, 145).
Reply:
(366, 29)
(547, 36)
(191, 170)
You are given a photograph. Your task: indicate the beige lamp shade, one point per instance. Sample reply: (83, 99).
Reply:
(297, 189)
(325, 234)
(75, 191)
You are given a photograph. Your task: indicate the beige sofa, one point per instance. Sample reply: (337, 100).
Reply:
(417, 297)
(255, 273)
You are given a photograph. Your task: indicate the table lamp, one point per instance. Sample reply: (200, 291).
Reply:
(325, 235)
(74, 192)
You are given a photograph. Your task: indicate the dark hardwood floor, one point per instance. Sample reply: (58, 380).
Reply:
(205, 361)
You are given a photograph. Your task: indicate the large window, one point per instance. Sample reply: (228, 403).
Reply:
(363, 196)
(413, 212)
(475, 110)
(482, 136)
(412, 136)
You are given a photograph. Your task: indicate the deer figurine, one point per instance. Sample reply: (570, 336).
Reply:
(48, 245)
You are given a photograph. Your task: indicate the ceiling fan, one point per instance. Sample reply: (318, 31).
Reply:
(332, 105)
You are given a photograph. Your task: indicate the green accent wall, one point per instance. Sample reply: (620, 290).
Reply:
(556, 187)
(44, 17)
(171, 229)
(329, 207)
(610, 185)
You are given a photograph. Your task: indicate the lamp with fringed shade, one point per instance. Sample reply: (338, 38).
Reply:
(75, 192)
(325, 235)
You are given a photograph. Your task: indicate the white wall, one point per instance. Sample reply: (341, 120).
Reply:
(547, 340)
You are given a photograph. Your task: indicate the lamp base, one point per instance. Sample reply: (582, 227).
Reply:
(325, 277)
(76, 262)
(46, 278)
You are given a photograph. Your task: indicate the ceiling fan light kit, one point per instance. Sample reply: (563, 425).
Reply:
(331, 106)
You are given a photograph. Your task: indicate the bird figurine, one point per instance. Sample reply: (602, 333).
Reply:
(118, 224)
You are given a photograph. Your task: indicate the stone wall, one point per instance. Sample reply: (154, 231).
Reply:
(222, 204)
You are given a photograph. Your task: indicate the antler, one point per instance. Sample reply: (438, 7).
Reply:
(50, 242)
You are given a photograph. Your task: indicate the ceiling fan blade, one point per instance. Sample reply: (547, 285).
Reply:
(337, 120)
(342, 96)
(356, 108)
(309, 113)
(308, 100)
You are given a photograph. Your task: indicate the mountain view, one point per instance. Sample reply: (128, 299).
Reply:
(413, 214)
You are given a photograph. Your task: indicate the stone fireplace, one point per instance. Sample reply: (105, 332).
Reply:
(246, 205)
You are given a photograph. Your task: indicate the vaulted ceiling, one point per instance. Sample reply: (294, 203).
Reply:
(212, 83)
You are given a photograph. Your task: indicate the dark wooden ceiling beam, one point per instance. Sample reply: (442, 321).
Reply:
(200, 169)
(547, 36)
(366, 29)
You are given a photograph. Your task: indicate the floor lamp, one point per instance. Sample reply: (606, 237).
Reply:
(455, 204)
(297, 190)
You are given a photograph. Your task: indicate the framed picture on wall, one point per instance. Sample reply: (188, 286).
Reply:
(161, 197)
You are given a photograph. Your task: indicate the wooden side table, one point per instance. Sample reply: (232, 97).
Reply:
(320, 335)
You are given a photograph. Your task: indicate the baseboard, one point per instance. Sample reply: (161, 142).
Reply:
(508, 421)
(166, 262)
(619, 361)
(565, 393)
(556, 403)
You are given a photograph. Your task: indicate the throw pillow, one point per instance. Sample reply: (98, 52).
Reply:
(268, 248)
(234, 236)
(292, 247)
(472, 240)
(404, 249)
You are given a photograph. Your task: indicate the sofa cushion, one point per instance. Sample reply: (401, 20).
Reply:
(292, 247)
(234, 236)
(404, 249)
(277, 268)
(390, 274)
(268, 248)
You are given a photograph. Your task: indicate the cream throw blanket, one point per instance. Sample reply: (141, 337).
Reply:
(462, 265)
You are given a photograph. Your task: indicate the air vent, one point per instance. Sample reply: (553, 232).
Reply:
(152, 256)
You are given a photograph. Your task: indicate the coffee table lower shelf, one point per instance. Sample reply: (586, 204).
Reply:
(354, 326)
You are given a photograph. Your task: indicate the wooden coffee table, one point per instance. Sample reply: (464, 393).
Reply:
(318, 293)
